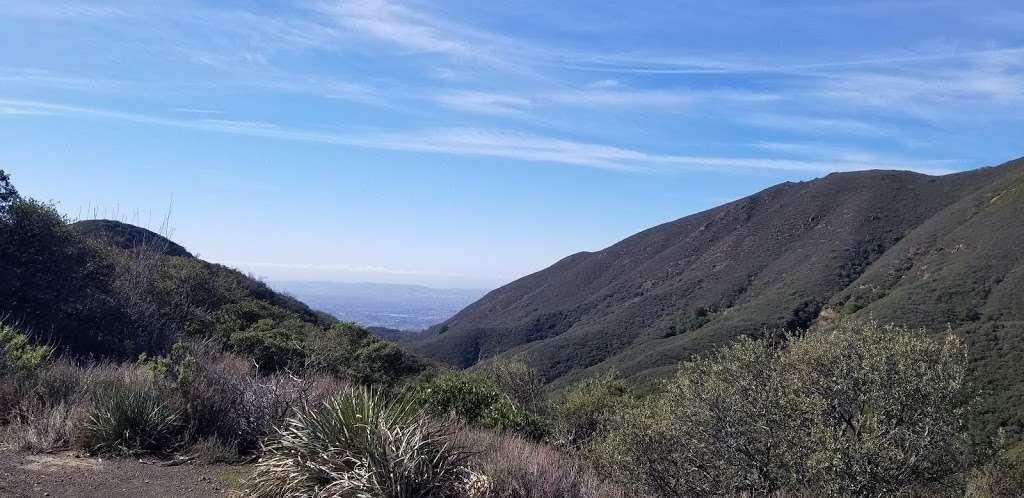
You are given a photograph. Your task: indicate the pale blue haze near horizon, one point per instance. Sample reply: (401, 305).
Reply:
(465, 144)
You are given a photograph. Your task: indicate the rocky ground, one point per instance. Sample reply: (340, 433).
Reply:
(70, 474)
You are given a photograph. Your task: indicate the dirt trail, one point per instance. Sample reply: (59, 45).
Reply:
(71, 475)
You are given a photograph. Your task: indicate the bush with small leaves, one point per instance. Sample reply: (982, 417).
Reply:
(583, 410)
(856, 409)
(476, 401)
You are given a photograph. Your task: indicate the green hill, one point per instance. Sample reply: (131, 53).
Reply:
(896, 246)
(106, 289)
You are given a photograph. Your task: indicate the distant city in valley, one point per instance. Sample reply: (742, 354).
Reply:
(394, 306)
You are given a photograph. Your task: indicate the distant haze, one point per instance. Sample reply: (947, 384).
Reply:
(396, 306)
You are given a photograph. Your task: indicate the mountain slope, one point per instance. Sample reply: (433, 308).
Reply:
(125, 236)
(778, 258)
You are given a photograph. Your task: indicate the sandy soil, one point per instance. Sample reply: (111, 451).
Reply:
(70, 474)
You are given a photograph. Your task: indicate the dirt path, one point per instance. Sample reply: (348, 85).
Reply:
(70, 475)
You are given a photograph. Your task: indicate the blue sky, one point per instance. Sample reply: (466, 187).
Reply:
(469, 143)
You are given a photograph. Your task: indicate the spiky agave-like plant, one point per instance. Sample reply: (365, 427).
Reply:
(360, 444)
(129, 416)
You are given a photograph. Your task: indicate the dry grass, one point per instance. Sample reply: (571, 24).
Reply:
(224, 399)
(44, 428)
(219, 409)
(508, 466)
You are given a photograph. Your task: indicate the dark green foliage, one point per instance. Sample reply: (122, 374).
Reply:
(480, 402)
(8, 193)
(130, 237)
(17, 354)
(351, 351)
(235, 317)
(57, 285)
(273, 345)
(112, 290)
(378, 362)
(690, 321)
(586, 407)
(461, 395)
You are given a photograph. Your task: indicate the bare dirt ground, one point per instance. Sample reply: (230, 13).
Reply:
(69, 474)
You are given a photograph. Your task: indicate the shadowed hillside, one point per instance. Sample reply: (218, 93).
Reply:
(108, 290)
(897, 246)
(125, 236)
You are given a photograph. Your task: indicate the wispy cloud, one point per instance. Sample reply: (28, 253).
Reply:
(396, 24)
(491, 143)
(734, 64)
(414, 30)
(36, 77)
(833, 153)
(485, 103)
(191, 110)
(666, 99)
(815, 125)
(65, 11)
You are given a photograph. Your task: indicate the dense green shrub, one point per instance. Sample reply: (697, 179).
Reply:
(859, 409)
(57, 285)
(17, 354)
(361, 444)
(585, 408)
(352, 352)
(236, 317)
(690, 321)
(889, 405)
(274, 345)
(477, 401)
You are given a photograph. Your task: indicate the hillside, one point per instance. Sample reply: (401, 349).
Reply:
(109, 290)
(125, 236)
(896, 246)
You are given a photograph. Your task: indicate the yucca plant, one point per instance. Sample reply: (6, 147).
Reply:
(129, 416)
(360, 444)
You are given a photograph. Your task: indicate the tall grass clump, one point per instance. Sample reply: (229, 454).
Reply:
(41, 427)
(130, 415)
(360, 444)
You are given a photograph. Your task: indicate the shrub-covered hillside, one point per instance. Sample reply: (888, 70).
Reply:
(116, 342)
(106, 289)
(896, 246)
